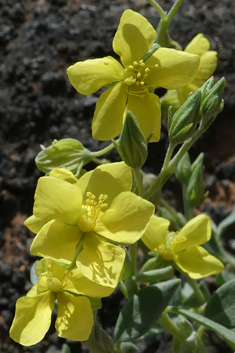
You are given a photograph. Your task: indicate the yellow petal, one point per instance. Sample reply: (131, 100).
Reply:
(198, 45)
(34, 223)
(109, 179)
(207, 66)
(147, 111)
(63, 174)
(126, 220)
(82, 285)
(56, 241)
(74, 318)
(174, 68)
(100, 261)
(195, 232)
(90, 75)
(32, 318)
(198, 263)
(184, 91)
(134, 37)
(55, 198)
(155, 235)
(108, 116)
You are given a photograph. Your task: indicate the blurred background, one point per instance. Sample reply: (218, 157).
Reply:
(39, 39)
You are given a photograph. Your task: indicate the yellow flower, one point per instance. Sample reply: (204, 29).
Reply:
(95, 211)
(132, 85)
(208, 62)
(184, 248)
(71, 290)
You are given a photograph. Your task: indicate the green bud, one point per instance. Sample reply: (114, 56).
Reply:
(68, 153)
(198, 161)
(184, 121)
(212, 103)
(185, 326)
(196, 189)
(132, 143)
(183, 169)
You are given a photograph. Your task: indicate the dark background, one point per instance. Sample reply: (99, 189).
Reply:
(38, 41)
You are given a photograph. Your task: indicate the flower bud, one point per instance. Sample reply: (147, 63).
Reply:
(184, 121)
(196, 189)
(212, 102)
(132, 143)
(198, 161)
(185, 326)
(67, 153)
(183, 169)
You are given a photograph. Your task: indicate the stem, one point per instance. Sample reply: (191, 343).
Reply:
(133, 253)
(123, 288)
(103, 151)
(197, 290)
(168, 167)
(138, 178)
(173, 10)
(164, 23)
(166, 322)
(174, 214)
(158, 8)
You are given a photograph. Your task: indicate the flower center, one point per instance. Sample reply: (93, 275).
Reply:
(167, 250)
(136, 74)
(57, 277)
(91, 212)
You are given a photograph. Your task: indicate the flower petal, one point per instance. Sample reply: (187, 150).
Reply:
(55, 198)
(32, 318)
(82, 285)
(75, 317)
(34, 223)
(195, 232)
(155, 235)
(109, 179)
(90, 75)
(198, 45)
(184, 91)
(126, 220)
(108, 116)
(198, 263)
(175, 68)
(100, 261)
(63, 174)
(56, 241)
(207, 66)
(134, 37)
(146, 108)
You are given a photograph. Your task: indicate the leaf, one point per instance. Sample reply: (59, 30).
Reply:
(65, 348)
(221, 306)
(226, 222)
(141, 312)
(129, 347)
(227, 334)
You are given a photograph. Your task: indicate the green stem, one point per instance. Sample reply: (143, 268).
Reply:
(174, 214)
(173, 10)
(168, 324)
(103, 151)
(169, 166)
(138, 178)
(133, 286)
(123, 288)
(197, 290)
(164, 23)
(158, 8)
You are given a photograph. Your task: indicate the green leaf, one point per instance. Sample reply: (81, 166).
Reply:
(129, 347)
(153, 275)
(221, 307)
(227, 334)
(226, 222)
(141, 312)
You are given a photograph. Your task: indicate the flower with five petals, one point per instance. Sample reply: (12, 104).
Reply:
(131, 86)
